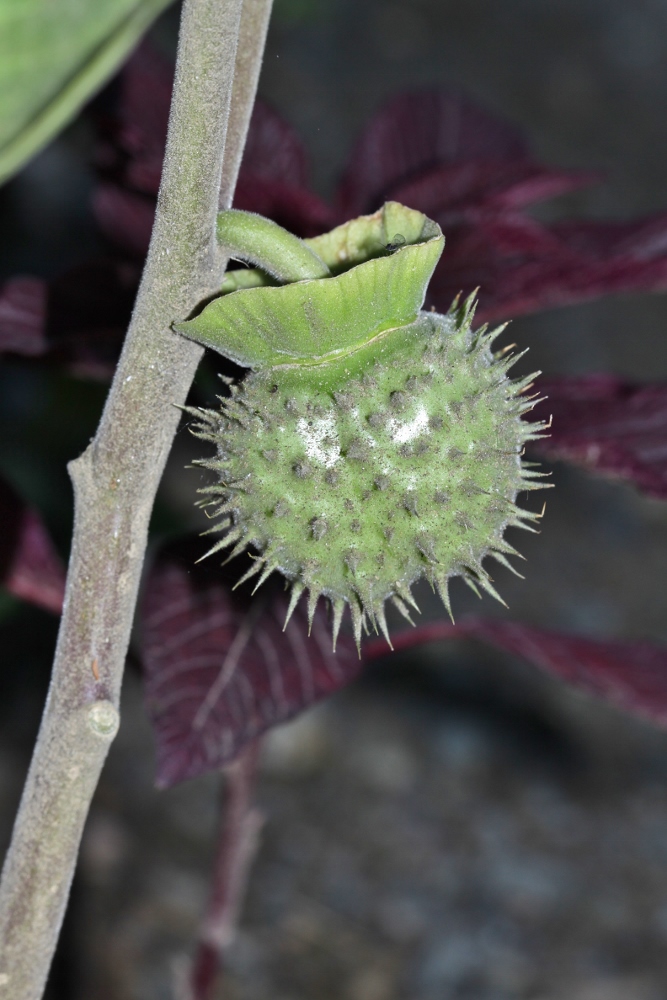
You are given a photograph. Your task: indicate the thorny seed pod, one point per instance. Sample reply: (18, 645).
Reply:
(371, 444)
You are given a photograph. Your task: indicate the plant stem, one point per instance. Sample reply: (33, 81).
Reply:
(237, 845)
(116, 478)
(255, 18)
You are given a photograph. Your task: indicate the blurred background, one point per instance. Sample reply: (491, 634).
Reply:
(454, 825)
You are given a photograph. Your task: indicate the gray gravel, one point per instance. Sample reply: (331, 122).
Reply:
(420, 843)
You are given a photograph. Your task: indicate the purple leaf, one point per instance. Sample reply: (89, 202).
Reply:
(125, 217)
(522, 267)
(631, 675)
(433, 150)
(30, 567)
(477, 188)
(77, 320)
(437, 152)
(133, 133)
(273, 151)
(89, 308)
(22, 316)
(296, 209)
(272, 180)
(219, 670)
(418, 132)
(607, 425)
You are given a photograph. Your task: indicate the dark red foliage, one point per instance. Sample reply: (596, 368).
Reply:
(76, 321)
(89, 307)
(631, 675)
(473, 174)
(523, 267)
(30, 567)
(219, 670)
(125, 217)
(443, 153)
(475, 189)
(23, 317)
(608, 425)
(432, 149)
(295, 209)
(79, 319)
(132, 122)
(273, 178)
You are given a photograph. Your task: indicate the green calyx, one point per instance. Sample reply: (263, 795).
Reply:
(313, 320)
(358, 457)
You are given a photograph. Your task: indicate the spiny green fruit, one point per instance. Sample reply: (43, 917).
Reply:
(359, 468)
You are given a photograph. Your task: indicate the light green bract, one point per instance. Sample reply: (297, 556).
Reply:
(372, 444)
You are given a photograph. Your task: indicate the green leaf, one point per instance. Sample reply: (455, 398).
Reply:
(54, 55)
(309, 322)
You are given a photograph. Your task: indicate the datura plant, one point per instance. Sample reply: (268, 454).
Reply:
(371, 443)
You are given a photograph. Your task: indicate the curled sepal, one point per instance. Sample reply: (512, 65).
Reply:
(256, 240)
(385, 262)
